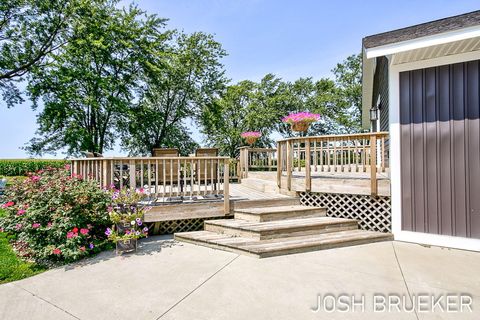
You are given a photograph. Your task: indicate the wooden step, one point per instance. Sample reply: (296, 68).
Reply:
(262, 214)
(282, 246)
(279, 228)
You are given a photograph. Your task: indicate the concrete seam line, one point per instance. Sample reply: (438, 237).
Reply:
(197, 287)
(403, 277)
(46, 301)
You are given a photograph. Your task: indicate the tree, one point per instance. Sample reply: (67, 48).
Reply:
(30, 30)
(190, 76)
(91, 81)
(348, 78)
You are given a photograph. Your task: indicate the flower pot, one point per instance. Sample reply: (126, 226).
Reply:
(300, 126)
(123, 226)
(251, 140)
(124, 246)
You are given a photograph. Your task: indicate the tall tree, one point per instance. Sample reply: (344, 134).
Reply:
(29, 31)
(92, 80)
(348, 78)
(190, 75)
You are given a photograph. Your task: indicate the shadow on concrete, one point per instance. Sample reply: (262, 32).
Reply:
(148, 246)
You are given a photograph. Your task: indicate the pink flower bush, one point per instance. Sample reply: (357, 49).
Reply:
(301, 117)
(255, 134)
(8, 204)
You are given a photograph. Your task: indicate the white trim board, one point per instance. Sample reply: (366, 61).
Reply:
(439, 240)
(395, 165)
(423, 42)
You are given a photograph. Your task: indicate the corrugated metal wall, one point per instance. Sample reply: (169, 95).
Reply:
(440, 149)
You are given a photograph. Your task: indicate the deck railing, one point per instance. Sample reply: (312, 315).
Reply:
(364, 152)
(258, 159)
(161, 177)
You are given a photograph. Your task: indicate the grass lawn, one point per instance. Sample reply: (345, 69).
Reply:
(11, 267)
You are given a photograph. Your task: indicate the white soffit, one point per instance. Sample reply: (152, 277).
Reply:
(432, 52)
(423, 42)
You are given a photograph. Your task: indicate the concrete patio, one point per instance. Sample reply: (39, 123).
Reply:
(171, 280)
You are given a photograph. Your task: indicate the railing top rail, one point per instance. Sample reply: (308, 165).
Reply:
(259, 149)
(149, 158)
(339, 136)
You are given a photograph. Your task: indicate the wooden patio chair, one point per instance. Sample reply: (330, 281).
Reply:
(170, 177)
(200, 169)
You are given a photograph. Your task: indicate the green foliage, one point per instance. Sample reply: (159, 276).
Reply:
(21, 167)
(182, 77)
(348, 77)
(92, 80)
(12, 268)
(30, 31)
(56, 218)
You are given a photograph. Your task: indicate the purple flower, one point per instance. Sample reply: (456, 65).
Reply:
(108, 232)
(145, 229)
(137, 233)
(91, 246)
(139, 221)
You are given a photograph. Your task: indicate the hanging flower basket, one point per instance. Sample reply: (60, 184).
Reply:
(300, 126)
(251, 136)
(301, 121)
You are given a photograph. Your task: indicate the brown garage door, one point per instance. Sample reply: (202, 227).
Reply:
(440, 149)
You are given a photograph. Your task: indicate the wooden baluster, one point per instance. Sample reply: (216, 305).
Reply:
(141, 174)
(308, 177)
(383, 153)
(112, 171)
(149, 172)
(157, 177)
(217, 177)
(205, 176)
(289, 164)
(373, 165)
(364, 156)
(226, 187)
(121, 174)
(179, 178)
(321, 156)
(191, 178)
(279, 164)
(315, 156)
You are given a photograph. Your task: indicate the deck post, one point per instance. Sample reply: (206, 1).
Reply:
(105, 173)
(373, 165)
(308, 176)
(226, 187)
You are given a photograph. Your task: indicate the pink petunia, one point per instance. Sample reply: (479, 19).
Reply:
(84, 231)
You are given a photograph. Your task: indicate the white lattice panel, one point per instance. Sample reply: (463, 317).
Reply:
(185, 225)
(372, 213)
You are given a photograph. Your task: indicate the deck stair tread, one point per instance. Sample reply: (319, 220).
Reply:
(280, 246)
(280, 224)
(279, 209)
(281, 212)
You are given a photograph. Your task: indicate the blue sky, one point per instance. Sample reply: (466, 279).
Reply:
(291, 39)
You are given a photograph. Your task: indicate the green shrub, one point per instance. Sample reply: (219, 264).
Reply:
(56, 218)
(21, 167)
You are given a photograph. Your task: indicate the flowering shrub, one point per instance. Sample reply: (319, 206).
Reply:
(127, 214)
(306, 117)
(255, 134)
(55, 217)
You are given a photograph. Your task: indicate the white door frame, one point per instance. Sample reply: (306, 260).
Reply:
(395, 163)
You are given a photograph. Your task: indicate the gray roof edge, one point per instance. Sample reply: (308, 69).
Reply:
(452, 23)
